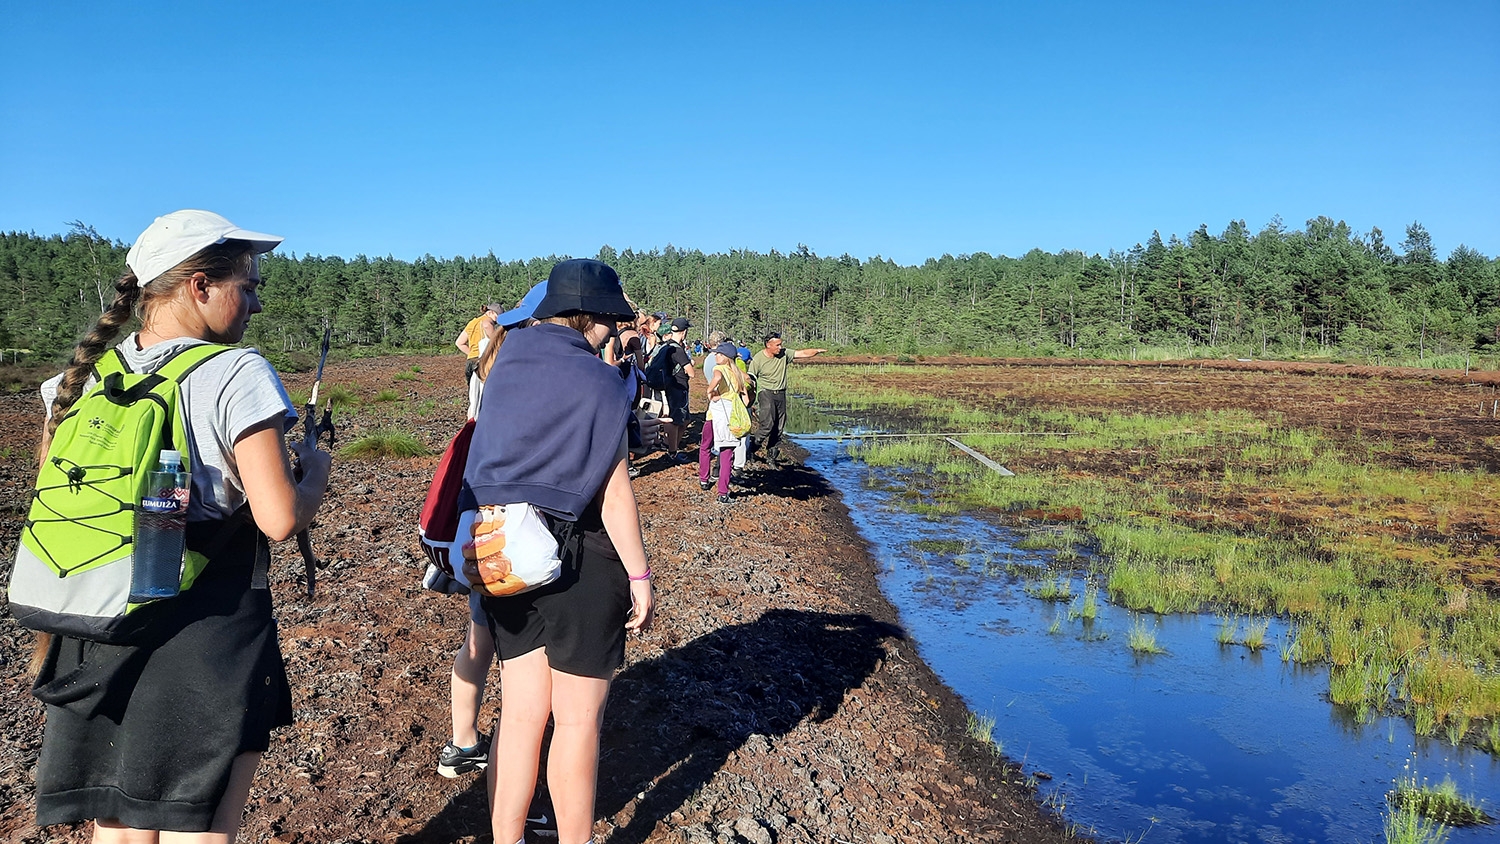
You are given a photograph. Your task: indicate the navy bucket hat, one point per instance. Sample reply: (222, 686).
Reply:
(583, 285)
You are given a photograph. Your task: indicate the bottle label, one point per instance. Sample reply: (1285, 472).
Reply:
(166, 501)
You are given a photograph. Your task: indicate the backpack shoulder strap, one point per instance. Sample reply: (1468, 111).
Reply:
(189, 358)
(109, 363)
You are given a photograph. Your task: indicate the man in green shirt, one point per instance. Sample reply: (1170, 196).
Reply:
(768, 369)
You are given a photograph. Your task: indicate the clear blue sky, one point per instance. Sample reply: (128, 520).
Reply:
(902, 129)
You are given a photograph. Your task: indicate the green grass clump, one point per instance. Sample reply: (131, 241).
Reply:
(1406, 826)
(1441, 803)
(981, 728)
(386, 444)
(1227, 629)
(1058, 588)
(1309, 645)
(1161, 589)
(1088, 608)
(1255, 633)
(1141, 640)
(386, 395)
(339, 395)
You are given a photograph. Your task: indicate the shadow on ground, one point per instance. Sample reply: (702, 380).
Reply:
(674, 720)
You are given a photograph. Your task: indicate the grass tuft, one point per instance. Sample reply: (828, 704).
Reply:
(1255, 633)
(1405, 826)
(1141, 640)
(981, 728)
(386, 444)
(1227, 630)
(1058, 588)
(1441, 803)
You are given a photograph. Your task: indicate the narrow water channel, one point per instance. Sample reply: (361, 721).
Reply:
(1202, 743)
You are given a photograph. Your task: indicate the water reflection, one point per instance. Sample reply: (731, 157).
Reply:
(1204, 742)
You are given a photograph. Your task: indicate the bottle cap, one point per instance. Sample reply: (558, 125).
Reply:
(169, 457)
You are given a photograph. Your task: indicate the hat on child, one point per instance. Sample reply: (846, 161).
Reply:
(178, 236)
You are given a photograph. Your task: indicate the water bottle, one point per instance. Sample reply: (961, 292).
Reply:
(160, 532)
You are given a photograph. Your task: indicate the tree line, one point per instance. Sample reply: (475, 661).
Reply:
(1323, 290)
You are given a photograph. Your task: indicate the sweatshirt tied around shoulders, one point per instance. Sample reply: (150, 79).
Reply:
(550, 424)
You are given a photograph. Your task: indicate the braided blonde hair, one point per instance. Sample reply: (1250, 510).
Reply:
(219, 262)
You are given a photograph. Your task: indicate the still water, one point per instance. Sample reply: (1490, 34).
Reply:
(1203, 743)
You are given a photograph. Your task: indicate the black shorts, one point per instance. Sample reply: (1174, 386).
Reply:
(677, 403)
(580, 619)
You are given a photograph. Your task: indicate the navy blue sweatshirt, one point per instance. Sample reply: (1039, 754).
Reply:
(549, 427)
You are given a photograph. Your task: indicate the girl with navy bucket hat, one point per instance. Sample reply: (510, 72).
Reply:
(551, 432)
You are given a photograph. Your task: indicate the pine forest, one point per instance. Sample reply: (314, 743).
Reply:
(1321, 292)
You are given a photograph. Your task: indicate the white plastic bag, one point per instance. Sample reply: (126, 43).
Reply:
(510, 551)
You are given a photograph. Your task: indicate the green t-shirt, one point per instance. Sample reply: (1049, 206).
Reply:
(770, 372)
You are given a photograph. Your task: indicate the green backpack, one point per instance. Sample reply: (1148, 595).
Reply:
(73, 565)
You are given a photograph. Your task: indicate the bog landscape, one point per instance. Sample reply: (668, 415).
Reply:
(1288, 439)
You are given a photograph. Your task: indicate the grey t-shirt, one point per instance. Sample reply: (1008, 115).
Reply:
(230, 394)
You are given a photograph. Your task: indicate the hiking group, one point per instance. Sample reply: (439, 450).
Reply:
(548, 545)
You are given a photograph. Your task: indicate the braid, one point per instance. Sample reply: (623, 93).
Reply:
(89, 350)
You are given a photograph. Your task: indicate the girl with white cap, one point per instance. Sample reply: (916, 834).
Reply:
(160, 740)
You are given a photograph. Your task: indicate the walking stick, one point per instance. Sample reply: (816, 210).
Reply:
(312, 430)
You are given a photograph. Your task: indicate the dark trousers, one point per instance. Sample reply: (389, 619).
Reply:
(770, 420)
(470, 368)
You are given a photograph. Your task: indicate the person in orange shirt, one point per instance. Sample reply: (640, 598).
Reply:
(468, 339)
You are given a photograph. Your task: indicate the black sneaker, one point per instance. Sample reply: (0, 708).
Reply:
(705, 485)
(455, 761)
(541, 823)
(723, 499)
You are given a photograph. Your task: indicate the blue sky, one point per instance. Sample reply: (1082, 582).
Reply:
(900, 129)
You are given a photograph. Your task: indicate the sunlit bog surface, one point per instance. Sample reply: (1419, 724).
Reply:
(1203, 742)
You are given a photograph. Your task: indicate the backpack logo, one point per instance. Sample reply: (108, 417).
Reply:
(100, 434)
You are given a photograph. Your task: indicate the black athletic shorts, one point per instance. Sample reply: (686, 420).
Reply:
(580, 619)
(677, 403)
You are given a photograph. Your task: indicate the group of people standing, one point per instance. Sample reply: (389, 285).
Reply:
(649, 353)
(159, 740)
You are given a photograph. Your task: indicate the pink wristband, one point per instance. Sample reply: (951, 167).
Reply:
(646, 576)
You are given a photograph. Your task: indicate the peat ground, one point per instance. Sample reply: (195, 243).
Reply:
(775, 698)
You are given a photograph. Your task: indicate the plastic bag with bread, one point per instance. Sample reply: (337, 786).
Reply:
(510, 551)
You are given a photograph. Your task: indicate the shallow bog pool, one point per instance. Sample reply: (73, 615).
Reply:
(1204, 742)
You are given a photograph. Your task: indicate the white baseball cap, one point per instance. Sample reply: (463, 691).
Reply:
(177, 236)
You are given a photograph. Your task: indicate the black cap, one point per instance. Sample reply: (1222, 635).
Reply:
(583, 285)
(681, 324)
